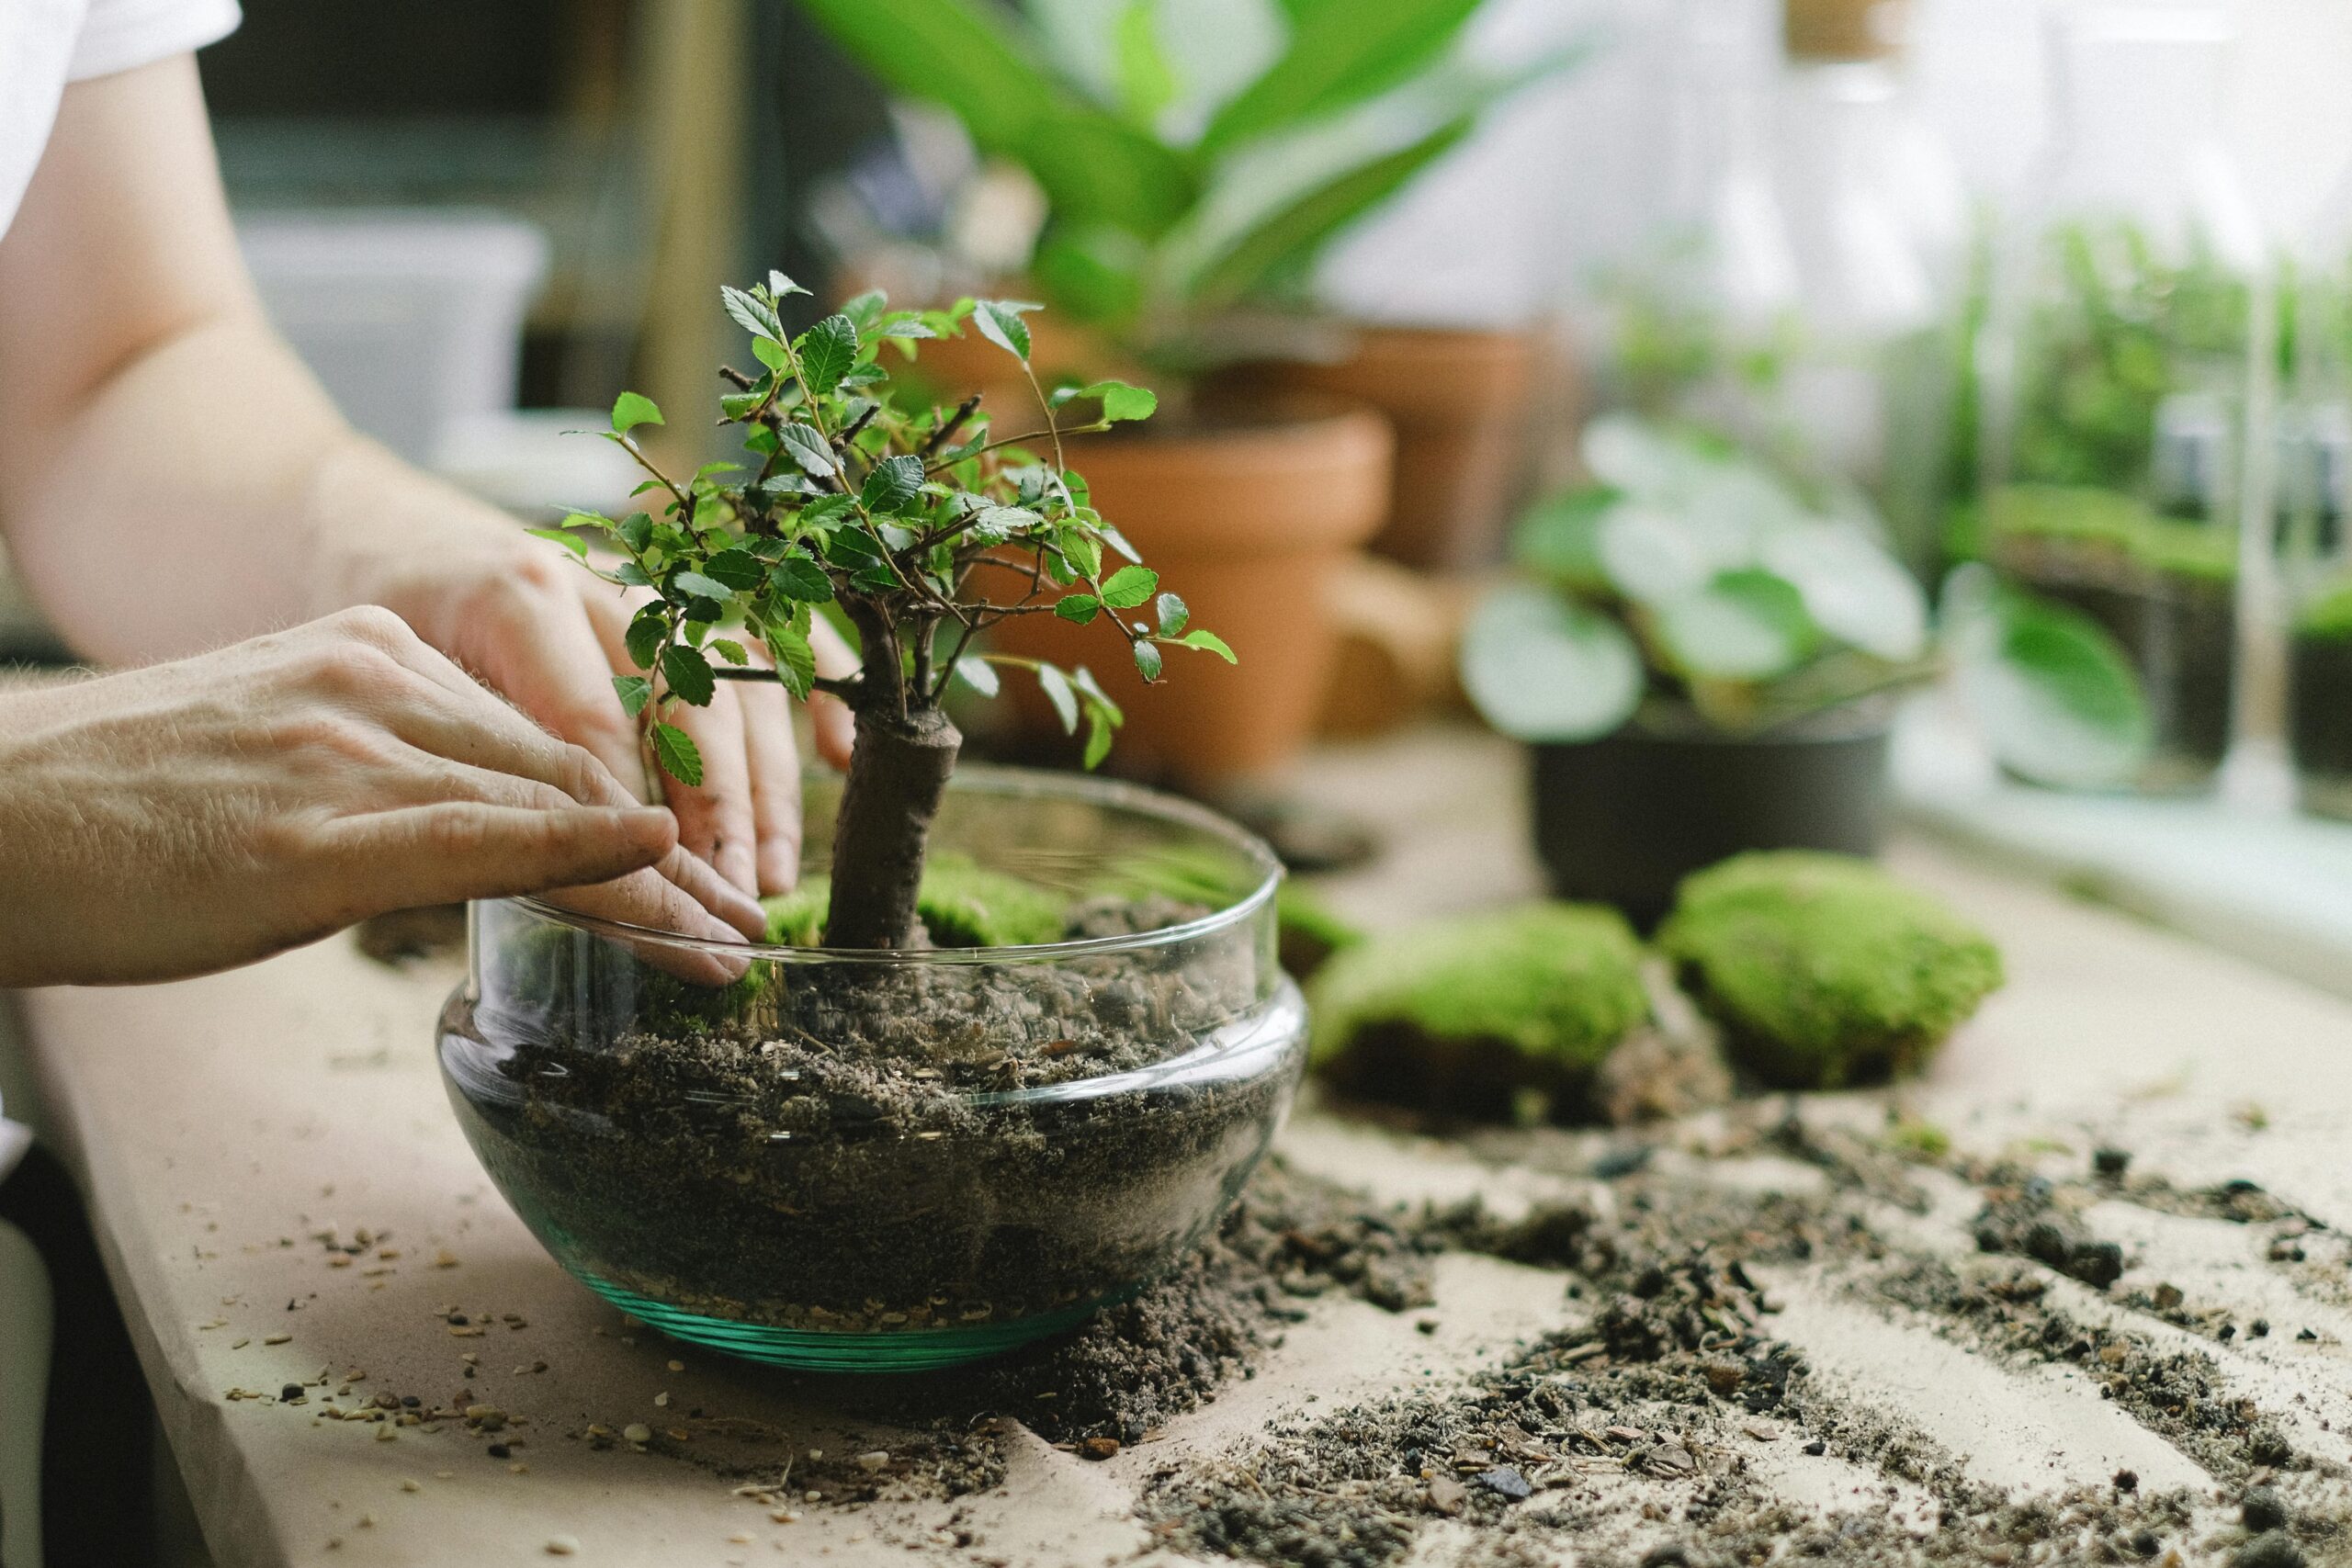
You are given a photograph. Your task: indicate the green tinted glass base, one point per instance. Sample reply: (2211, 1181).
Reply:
(910, 1350)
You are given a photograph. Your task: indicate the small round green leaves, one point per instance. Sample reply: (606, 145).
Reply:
(1744, 625)
(2056, 696)
(1542, 668)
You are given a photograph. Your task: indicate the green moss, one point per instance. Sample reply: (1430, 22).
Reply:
(963, 904)
(2107, 522)
(1312, 933)
(2328, 617)
(1466, 1014)
(1824, 971)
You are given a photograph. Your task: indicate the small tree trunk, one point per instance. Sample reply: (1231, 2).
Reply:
(898, 772)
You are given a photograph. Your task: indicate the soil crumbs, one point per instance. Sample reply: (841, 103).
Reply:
(1660, 1422)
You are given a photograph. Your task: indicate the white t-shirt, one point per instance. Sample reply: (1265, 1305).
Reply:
(44, 44)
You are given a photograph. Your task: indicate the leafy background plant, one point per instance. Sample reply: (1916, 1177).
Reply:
(1690, 577)
(1166, 209)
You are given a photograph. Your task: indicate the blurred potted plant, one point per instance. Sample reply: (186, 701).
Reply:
(1705, 662)
(1159, 239)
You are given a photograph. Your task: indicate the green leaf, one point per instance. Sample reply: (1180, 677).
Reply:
(1093, 272)
(637, 530)
(1339, 55)
(572, 542)
(1056, 686)
(629, 410)
(979, 675)
(1148, 660)
(770, 353)
(1122, 402)
(1092, 690)
(730, 651)
(1852, 588)
(828, 352)
(804, 447)
(1146, 83)
(1130, 586)
(994, 524)
(894, 482)
(2057, 697)
(782, 287)
(1743, 626)
(688, 673)
(676, 752)
(1208, 642)
(1099, 724)
(798, 578)
(1289, 235)
(645, 636)
(628, 574)
(695, 585)
(795, 660)
(1079, 607)
(1560, 536)
(750, 314)
(999, 322)
(737, 567)
(1542, 669)
(1173, 614)
(634, 691)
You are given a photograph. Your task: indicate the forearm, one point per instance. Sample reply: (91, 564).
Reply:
(209, 490)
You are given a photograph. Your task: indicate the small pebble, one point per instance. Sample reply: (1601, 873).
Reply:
(2127, 1480)
(2263, 1509)
(638, 1432)
(680, 1367)
(562, 1546)
(879, 1458)
(409, 1486)
(2272, 1549)
(501, 1450)
(292, 1390)
(1099, 1447)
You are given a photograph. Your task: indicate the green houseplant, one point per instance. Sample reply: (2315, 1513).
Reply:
(1021, 1049)
(1171, 226)
(1703, 659)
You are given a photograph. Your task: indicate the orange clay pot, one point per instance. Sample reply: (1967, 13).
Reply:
(1460, 403)
(1247, 514)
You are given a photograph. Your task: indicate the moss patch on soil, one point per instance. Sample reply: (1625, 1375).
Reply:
(1822, 970)
(1468, 1015)
(963, 904)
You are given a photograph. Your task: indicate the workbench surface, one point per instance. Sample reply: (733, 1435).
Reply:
(224, 1126)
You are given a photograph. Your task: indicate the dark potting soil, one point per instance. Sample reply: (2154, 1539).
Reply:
(2319, 721)
(2181, 635)
(877, 1150)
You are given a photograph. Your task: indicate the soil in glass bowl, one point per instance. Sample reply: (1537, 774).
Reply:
(2319, 719)
(859, 1160)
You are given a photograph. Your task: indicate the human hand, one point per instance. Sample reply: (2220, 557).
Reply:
(522, 615)
(188, 817)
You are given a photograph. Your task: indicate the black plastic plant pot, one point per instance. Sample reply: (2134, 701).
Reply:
(1623, 819)
(2319, 723)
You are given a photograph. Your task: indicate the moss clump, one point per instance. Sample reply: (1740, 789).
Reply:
(1312, 933)
(1824, 971)
(963, 904)
(2328, 617)
(1478, 1015)
(2095, 523)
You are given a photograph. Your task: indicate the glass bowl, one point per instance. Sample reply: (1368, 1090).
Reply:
(890, 1161)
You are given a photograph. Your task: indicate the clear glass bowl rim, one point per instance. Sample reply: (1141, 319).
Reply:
(1013, 785)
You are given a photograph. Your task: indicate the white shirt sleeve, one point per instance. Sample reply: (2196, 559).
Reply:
(119, 35)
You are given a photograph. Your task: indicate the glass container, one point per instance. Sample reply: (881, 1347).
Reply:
(2135, 356)
(886, 1161)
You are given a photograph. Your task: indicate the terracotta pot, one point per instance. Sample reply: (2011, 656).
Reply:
(1249, 517)
(1460, 404)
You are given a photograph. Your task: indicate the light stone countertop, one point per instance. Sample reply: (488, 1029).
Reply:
(221, 1122)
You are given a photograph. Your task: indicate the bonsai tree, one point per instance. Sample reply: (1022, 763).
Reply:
(1159, 218)
(1689, 577)
(920, 527)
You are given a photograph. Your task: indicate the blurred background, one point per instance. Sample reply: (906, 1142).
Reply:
(1776, 413)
